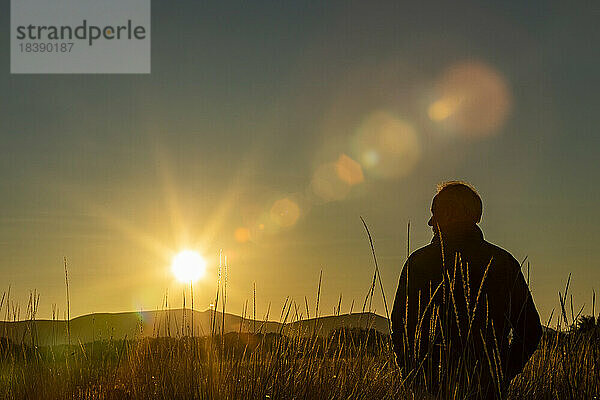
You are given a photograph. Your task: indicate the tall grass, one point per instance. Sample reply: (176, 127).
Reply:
(289, 364)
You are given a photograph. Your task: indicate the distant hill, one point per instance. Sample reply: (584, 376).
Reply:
(173, 323)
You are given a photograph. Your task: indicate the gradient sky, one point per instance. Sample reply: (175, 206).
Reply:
(247, 107)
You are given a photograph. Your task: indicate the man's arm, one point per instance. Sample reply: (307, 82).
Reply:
(526, 326)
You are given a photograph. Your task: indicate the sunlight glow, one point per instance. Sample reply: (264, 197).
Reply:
(188, 266)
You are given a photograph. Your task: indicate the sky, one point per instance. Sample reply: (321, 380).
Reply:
(267, 129)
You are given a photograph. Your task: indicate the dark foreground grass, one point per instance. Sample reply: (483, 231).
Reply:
(348, 364)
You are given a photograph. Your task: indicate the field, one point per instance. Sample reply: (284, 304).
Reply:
(345, 363)
(165, 356)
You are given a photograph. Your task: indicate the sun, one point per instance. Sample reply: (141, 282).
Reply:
(188, 266)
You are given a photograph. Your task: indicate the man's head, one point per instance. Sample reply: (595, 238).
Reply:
(455, 203)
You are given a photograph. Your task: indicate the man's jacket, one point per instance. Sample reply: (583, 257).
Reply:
(462, 298)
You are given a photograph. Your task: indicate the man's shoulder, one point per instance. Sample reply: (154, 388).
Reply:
(424, 253)
(502, 256)
(431, 253)
(423, 265)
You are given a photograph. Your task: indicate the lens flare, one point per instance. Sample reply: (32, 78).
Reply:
(387, 146)
(285, 212)
(473, 99)
(188, 266)
(327, 185)
(443, 108)
(242, 235)
(349, 170)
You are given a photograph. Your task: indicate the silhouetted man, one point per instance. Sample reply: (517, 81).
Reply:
(463, 315)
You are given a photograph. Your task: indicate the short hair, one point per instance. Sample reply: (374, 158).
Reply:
(461, 198)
